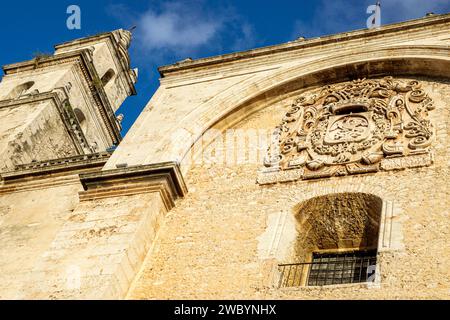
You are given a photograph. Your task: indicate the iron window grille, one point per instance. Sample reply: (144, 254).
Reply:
(330, 268)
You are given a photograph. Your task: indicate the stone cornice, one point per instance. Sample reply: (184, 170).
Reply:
(303, 44)
(47, 60)
(90, 75)
(29, 99)
(44, 182)
(70, 165)
(97, 37)
(165, 178)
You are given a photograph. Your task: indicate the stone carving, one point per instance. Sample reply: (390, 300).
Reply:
(281, 176)
(414, 161)
(124, 40)
(352, 128)
(60, 162)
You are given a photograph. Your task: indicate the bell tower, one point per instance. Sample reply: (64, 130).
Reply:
(63, 105)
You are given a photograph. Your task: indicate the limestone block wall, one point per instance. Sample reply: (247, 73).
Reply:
(31, 215)
(62, 245)
(225, 239)
(98, 250)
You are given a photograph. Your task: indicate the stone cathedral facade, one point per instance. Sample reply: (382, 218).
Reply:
(313, 169)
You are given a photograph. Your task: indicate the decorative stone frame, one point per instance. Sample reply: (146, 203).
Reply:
(277, 241)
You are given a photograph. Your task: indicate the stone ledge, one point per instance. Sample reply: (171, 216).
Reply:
(30, 98)
(343, 286)
(64, 165)
(164, 177)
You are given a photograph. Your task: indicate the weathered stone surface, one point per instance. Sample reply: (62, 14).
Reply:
(235, 84)
(56, 106)
(225, 239)
(106, 227)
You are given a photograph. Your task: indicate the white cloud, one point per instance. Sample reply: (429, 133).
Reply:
(182, 28)
(398, 10)
(245, 40)
(176, 27)
(346, 15)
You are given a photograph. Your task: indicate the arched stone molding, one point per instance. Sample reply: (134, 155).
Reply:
(278, 243)
(393, 61)
(337, 222)
(279, 238)
(236, 102)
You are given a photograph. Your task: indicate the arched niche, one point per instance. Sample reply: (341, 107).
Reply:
(81, 119)
(337, 241)
(107, 77)
(337, 222)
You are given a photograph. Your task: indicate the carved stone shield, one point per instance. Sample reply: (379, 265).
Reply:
(354, 127)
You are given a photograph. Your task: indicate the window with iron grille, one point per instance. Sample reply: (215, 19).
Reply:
(330, 268)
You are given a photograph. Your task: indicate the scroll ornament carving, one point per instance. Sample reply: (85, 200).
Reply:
(355, 127)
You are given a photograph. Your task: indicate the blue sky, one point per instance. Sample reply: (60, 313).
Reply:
(169, 31)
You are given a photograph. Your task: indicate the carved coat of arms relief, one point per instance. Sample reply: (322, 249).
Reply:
(355, 127)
